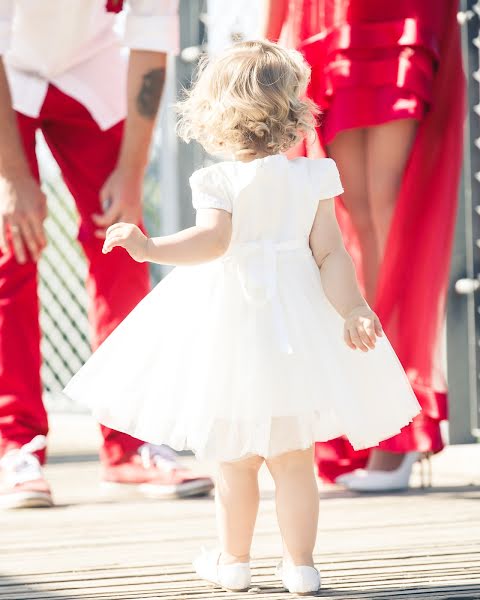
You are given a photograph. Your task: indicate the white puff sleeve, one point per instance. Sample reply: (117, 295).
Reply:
(325, 178)
(153, 25)
(211, 189)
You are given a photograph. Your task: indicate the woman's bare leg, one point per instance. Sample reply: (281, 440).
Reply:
(296, 494)
(349, 150)
(388, 150)
(237, 497)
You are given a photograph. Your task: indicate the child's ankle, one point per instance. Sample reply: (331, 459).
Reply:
(230, 559)
(300, 560)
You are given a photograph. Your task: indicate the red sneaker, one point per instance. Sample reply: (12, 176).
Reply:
(155, 472)
(22, 484)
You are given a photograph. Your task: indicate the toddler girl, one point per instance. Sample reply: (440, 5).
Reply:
(260, 342)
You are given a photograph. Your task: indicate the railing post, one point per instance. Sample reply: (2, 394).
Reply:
(463, 317)
(189, 156)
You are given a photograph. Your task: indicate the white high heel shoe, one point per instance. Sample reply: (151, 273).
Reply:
(301, 580)
(234, 578)
(364, 480)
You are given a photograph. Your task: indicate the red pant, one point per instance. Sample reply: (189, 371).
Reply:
(115, 283)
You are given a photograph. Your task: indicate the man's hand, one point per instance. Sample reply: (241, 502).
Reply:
(362, 327)
(23, 209)
(128, 236)
(121, 198)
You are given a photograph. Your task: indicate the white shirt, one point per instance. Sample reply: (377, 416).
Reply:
(73, 45)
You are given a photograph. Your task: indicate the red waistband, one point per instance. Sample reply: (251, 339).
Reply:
(404, 32)
(410, 72)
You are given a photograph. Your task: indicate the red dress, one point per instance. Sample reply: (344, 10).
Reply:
(373, 62)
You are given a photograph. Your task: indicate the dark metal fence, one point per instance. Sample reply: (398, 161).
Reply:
(463, 323)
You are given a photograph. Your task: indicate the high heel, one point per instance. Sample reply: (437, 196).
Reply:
(425, 462)
(364, 480)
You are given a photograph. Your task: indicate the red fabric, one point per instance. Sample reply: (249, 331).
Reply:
(86, 156)
(373, 61)
(114, 6)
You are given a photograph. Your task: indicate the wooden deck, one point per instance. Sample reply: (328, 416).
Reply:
(419, 544)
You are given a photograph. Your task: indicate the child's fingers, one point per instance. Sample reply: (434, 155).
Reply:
(107, 247)
(112, 242)
(356, 339)
(348, 339)
(366, 341)
(370, 331)
(378, 326)
(114, 228)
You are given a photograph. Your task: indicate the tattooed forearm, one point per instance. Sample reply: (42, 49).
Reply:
(150, 93)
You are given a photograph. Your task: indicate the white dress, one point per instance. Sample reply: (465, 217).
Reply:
(245, 355)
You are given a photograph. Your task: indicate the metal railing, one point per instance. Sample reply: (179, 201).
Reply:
(463, 322)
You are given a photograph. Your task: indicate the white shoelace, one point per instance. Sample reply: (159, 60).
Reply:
(20, 464)
(161, 457)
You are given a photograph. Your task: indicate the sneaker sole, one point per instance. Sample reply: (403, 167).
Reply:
(193, 489)
(26, 500)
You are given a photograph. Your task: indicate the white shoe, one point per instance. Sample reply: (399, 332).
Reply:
(299, 580)
(22, 484)
(364, 480)
(234, 578)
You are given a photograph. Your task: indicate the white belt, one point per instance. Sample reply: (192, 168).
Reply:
(256, 267)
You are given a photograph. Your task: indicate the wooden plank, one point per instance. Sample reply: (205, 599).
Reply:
(415, 545)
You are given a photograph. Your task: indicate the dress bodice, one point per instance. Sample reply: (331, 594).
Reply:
(271, 199)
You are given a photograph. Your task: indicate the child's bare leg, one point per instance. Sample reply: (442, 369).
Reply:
(297, 504)
(237, 498)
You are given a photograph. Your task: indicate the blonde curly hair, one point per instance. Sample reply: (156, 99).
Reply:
(249, 98)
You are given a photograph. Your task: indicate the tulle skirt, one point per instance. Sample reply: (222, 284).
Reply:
(203, 364)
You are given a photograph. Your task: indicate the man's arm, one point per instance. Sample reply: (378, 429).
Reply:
(147, 72)
(122, 193)
(22, 203)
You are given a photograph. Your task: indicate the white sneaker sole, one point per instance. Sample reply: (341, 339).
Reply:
(26, 500)
(190, 489)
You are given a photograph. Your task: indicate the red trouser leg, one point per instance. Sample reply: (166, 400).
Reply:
(86, 156)
(22, 414)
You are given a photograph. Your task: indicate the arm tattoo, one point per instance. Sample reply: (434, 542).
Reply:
(150, 93)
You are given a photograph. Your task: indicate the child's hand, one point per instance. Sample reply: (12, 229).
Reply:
(362, 327)
(126, 236)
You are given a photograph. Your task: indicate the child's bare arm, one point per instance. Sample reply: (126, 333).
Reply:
(339, 279)
(207, 240)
